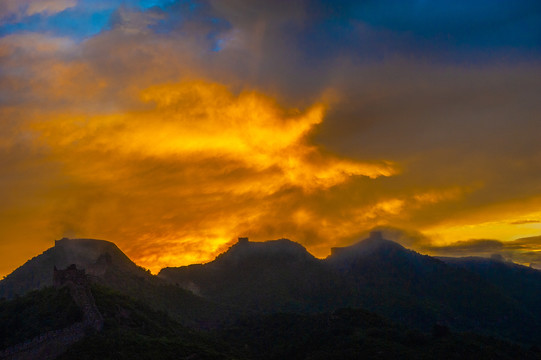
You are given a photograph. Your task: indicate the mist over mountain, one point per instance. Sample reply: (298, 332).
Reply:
(420, 290)
(375, 274)
(254, 279)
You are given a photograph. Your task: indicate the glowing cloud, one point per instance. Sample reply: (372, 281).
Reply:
(196, 147)
(171, 129)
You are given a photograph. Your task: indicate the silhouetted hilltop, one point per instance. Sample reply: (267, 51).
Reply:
(277, 275)
(283, 250)
(374, 245)
(484, 296)
(95, 256)
(420, 290)
(376, 274)
(107, 265)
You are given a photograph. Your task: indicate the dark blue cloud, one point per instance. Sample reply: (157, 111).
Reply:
(70, 22)
(416, 27)
(369, 29)
(86, 19)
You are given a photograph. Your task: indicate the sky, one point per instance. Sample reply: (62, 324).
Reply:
(172, 127)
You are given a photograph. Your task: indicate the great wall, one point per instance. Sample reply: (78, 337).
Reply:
(49, 345)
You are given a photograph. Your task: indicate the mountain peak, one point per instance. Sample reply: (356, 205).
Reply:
(244, 249)
(97, 257)
(374, 243)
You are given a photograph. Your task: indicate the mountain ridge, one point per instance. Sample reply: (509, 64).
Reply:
(282, 276)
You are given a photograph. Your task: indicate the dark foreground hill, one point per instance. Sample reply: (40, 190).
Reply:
(267, 277)
(375, 274)
(250, 279)
(358, 334)
(107, 265)
(133, 330)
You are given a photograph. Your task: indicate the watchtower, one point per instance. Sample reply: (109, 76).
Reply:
(243, 240)
(71, 275)
(376, 235)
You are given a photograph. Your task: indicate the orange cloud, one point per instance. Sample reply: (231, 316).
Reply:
(175, 172)
(191, 169)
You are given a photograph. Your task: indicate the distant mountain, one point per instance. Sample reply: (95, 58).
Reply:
(278, 275)
(252, 278)
(420, 290)
(107, 265)
(521, 283)
(375, 274)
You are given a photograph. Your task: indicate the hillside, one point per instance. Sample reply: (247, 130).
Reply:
(419, 290)
(521, 283)
(357, 334)
(280, 276)
(107, 265)
(132, 330)
(35, 313)
(375, 274)
(273, 276)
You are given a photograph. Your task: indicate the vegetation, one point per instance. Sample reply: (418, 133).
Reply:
(132, 330)
(35, 313)
(274, 300)
(354, 334)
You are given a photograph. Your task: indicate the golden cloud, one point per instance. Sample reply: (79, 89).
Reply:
(190, 169)
(174, 172)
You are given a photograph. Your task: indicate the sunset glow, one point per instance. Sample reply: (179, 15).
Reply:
(171, 128)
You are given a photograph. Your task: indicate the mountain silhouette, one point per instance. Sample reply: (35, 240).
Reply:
(281, 276)
(521, 283)
(272, 276)
(420, 290)
(107, 265)
(375, 274)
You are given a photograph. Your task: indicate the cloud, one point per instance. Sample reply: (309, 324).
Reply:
(195, 165)
(17, 9)
(171, 129)
(526, 251)
(526, 221)
(475, 246)
(48, 6)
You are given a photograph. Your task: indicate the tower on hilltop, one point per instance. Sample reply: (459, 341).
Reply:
(243, 240)
(376, 235)
(70, 276)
